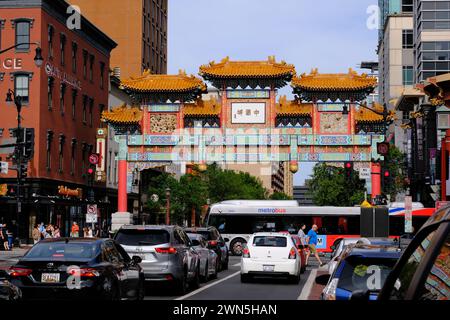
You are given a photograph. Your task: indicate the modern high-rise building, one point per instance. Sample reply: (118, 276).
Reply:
(396, 56)
(138, 26)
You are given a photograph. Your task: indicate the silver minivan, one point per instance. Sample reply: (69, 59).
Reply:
(167, 254)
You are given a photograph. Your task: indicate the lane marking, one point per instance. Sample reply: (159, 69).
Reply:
(208, 286)
(307, 288)
(237, 264)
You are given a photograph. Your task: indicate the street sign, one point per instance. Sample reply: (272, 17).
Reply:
(4, 167)
(364, 173)
(91, 216)
(408, 214)
(94, 158)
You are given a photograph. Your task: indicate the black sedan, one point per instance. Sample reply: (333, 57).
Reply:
(85, 268)
(215, 242)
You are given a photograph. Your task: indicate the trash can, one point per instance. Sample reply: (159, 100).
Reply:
(10, 240)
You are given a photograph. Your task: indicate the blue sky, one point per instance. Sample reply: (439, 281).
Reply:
(328, 34)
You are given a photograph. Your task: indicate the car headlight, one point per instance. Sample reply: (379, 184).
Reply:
(329, 292)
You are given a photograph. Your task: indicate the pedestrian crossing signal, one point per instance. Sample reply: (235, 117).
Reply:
(3, 189)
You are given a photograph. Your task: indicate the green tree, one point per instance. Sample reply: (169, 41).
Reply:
(279, 196)
(330, 187)
(395, 164)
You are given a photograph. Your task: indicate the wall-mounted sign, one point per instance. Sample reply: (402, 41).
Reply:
(64, 191)
(248, 94)
(64, 77)
(248, 112)
(12, 63)
(168, 107)
(101, 152)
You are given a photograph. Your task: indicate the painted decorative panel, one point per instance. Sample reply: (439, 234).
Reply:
(167, 107)
(333, 122)
(163, 123)
(248, 94)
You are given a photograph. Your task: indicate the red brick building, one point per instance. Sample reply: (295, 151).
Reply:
(63, 101)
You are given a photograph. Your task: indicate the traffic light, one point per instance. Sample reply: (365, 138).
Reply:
(348, 169)
(23, 170)
(28, 150)
(16, 133)
(387, 178)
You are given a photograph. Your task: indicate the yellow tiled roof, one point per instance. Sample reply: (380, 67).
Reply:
(295, 107)
(365, 115)
(202, 107)
(164, 83)
(247, 69)
(334, 82)
(122, 115)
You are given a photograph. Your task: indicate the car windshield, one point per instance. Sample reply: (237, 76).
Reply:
(360, 273)
(63, 251)
(138, 237)
(269, 241)
(205, 233)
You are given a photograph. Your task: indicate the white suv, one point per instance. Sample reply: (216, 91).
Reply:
(270, 254)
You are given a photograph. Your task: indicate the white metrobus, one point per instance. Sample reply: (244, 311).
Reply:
(236, 220)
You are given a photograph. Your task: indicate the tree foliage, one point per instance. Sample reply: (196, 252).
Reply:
(330, 187)
(395, 163)
(279, 196)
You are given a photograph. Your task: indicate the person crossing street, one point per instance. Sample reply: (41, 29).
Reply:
(311, 240)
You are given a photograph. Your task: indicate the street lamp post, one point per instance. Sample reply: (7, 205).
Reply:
(168, 206)
(17, 99)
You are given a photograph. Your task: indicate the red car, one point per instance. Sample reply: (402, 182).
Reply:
(301, 251)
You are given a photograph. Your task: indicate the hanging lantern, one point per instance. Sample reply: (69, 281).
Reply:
(293, 166)
(202, 167)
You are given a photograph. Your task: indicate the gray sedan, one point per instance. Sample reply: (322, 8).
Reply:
(209, 260)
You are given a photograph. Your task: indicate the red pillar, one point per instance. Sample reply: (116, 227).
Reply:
(376, 179)
(122, 190)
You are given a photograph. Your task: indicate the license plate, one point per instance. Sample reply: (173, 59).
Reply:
(50, 277)
(268, 268)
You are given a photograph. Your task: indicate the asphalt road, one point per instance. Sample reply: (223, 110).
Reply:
(228, 286)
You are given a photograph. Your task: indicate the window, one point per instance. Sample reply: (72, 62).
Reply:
(83, 157)
(62, 99)
(85, 57)
(73, 154)
(51, 82)
(85, 101)
(51, 32)
(91, 68)
(408, 42)
(22, 86)
(408, 75)
(91, 111)
(407, 5)
(22, 35)
(74, 57)
(62, 140)
(63, 48)
(49, 149)
(74, 103)
(102, 75)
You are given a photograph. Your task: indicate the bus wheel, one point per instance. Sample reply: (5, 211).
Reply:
(237, 246)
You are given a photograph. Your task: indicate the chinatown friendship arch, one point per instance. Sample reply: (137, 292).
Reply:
(173, 121)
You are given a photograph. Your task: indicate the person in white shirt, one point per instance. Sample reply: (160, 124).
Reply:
(301, 234)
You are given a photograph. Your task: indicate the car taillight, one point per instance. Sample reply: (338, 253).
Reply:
(84, 272)
(213, 243)
(170, 250)
(19, 272)
(292, 253)
(246, 253)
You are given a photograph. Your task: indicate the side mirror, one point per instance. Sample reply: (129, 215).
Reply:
(136, 259)
(360, 295)
(333, 248)
(323, 279)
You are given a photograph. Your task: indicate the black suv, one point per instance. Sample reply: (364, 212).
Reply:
(215, 242)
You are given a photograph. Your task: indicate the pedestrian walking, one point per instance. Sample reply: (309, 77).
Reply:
(311, 239)
(301, 234)
(96, 232)
(42, 230)
(5, 237)
(56, 232)
(74, 230)
(36, 234)
(89, 232)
